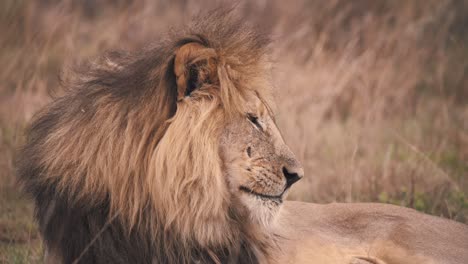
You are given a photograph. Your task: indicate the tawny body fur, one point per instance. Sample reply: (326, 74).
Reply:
(172, 155)
(369, 233)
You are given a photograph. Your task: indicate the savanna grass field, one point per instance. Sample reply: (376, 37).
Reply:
(371, 95)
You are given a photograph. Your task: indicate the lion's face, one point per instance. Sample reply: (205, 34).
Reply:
(259, 166)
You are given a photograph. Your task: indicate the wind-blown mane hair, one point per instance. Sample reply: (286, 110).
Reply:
(124, 167)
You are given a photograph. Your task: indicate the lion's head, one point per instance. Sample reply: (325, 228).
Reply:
(223, 141)
(179, 141)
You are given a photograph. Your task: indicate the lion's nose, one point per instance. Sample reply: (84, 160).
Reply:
(292, 175)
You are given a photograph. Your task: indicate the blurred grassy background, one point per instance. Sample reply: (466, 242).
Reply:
(372, 95)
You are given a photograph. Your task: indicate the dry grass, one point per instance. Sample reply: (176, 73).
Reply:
(372, 95)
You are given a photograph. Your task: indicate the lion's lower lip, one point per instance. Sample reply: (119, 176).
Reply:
(266, 196)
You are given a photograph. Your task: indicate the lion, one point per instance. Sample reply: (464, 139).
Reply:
(171, 154)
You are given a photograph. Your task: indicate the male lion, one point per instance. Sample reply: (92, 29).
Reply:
(172, 155)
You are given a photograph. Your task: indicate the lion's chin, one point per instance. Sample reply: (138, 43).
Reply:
(263, 211)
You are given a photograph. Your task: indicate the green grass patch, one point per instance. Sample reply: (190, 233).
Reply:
(19, 237)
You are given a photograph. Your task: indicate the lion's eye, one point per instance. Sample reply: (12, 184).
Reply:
(254, 120)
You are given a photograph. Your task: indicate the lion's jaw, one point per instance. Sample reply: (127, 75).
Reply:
(258, 165)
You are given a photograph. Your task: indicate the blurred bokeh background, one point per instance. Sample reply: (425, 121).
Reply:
(372, 95)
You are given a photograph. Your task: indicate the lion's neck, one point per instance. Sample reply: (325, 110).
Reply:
(243, 243)
(244, 250)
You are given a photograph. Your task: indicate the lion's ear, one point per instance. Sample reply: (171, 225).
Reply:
(194, 66)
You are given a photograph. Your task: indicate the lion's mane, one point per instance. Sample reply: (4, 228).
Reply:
(124, 170)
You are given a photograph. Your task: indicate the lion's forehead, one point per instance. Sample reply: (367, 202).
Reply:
(257, 105)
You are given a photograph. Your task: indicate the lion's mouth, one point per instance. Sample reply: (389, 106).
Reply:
(278, 198)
